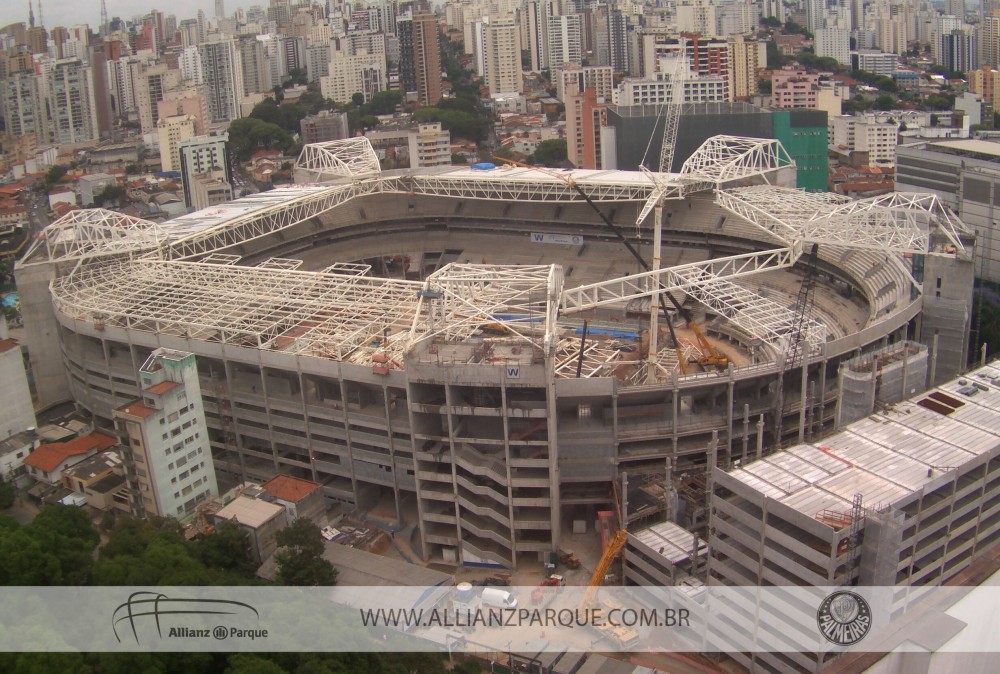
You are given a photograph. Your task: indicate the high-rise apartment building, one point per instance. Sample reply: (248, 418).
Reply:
(585, 116)
(72, 106)
(22, 104)
(537, 14)
(565, 40)
(576, 79)
(151, 82)
(189, 101)
(220, 61)
(189, 63)
(959, 51)
(503, 55)
(172, 131)
(407, 64)
(361, 73)
(985, 81)
(201, 155)
(834, 43)
(168, 458)
(746, 57)
(427, 56)
(989, 41)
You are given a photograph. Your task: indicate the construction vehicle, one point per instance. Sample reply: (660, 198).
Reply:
(538, 594)
(568, 559)
(624, 637)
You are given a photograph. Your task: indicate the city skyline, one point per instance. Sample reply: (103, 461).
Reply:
(68, 13)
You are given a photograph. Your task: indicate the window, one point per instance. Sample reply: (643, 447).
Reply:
(174, 433)
(187, 424)
(181, 461)
(165, 436)
(173, 417)
(162, 421)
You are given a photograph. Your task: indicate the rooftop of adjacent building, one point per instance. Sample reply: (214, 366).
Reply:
(889, 455)
(672, 541)
(8, 344)
(162, 387)
(95, 465)
(17, 442)
(250, 512)
(48, 456)
(137, 409)
(288, 488)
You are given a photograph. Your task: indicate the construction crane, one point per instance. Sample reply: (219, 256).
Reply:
(621, 237)
(797, 346)
(625, 637)
(711, 357)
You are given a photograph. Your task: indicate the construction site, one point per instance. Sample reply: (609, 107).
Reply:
(490, 358)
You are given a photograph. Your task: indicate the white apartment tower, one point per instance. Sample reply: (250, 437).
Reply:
(169, 460)
(565, 40)
(22, 104)
(503, 55)
(223, 72)
(72, 107)
(361, 73)
(834, 43)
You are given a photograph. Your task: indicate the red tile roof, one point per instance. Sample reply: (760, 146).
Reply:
(7, 344)
(162, 387)
(289, 488)
(136, 409)
(48, 457)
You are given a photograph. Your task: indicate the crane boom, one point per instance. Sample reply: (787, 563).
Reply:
(672, 115)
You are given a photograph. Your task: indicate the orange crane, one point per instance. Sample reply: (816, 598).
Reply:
(625, 637)
(621, 237)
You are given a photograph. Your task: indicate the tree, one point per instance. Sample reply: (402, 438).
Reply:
(7, 494)
(551, 152)
(132, 169)
(109, 193)
(771, 21)
(248, 135)
(251, 663)
(55, 174)
(225, 549)
(884, 102)
(279, 93)
(383, 103)
(297, 76)
(458, 158)
(358, 99)
(300, 557)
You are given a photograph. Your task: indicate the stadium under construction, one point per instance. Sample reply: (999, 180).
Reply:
(477, 351)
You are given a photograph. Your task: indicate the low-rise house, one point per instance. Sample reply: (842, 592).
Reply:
(47, 463)
(300, 498)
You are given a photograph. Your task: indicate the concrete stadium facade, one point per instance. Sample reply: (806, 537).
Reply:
(414, 349)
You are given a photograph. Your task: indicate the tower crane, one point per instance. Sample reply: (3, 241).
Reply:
(621, 237)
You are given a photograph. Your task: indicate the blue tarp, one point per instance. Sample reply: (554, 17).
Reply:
(484, 166)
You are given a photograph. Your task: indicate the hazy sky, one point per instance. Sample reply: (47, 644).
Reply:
(72, 12)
